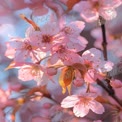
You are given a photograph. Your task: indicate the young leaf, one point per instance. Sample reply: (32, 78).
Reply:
(71, 3)
(66, 78)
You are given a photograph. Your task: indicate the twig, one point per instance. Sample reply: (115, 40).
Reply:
(104, 42)
(109, 92)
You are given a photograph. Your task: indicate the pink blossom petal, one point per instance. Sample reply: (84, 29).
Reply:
(108, 14)
(112, 3)
(80, 110)
(39, 12)
(55, 7)
(93, 55)
(85, 8)
(54, 58)
(90, 16)
(10, 52)
(24, 74)
(116, 83)
(74, 29)
(106, 66)
(90, 76)
(69, 101)
(96, 107)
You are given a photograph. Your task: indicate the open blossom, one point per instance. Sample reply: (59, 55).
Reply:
(82, 104)
(95, 65)
(90, 10)
(37, 72)
(46, 37)
(21, 49)
(61, 52)
(30, 71)
(74, 40)
(93, 58)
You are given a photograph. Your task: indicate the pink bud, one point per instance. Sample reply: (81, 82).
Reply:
(51, 71)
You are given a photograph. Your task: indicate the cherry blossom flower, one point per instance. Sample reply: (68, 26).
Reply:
(90, 67)
(90, 10)
(72, 32)
(46, 38)
(30, 71)
(93, 59)
(21, 49)
(61, 52)
(37, 72)
(82, 104)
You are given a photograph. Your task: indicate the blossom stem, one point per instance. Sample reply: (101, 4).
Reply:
(109, 92)
(104, 43)
(101, 22)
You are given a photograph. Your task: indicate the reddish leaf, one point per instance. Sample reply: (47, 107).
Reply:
(71, 3)
(66, 78)
(101, 99)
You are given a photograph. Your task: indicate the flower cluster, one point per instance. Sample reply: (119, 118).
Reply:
(54, 55)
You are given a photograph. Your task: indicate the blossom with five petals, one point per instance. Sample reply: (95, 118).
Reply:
(21, 49)
(82, 104)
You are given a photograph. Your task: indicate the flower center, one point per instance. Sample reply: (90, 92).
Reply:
(35, 70)
(46, 38)
(96, 5)
(85, 100)
(27, 46)
(61, 49)
(68, 30)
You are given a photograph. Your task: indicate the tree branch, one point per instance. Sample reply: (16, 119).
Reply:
(99, 82)
(104, 42)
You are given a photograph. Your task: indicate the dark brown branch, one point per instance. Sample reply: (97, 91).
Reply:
(104, 42)
(99, 82)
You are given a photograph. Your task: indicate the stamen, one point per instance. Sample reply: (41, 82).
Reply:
(46, 38)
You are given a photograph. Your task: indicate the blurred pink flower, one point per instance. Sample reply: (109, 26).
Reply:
(114, 41)
(5, 100)
(61, 52)
(96, 67)
(45, 38)
(82, 104)
(30, 72)
(116, 83)
(74, 40)
(90, 10)
(21, 49)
